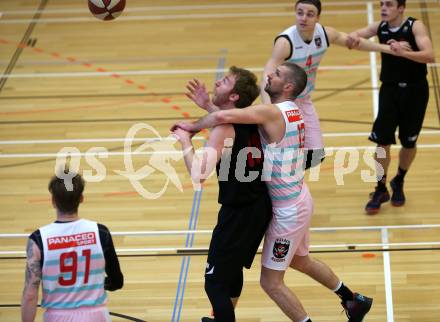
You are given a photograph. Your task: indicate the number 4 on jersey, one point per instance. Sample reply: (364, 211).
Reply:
(309, 61)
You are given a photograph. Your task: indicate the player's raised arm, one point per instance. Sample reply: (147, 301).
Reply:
(199, 95)
(281, 51)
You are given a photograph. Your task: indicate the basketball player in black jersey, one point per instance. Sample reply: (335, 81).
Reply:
(245, 204)
(403, 96)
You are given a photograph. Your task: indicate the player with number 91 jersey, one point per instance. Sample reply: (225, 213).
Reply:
(73, 270)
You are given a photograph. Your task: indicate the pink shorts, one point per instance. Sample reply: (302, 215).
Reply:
(288, 232)
(313, 135)
(83, 314)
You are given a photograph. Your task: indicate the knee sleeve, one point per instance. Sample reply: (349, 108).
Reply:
(408, 142)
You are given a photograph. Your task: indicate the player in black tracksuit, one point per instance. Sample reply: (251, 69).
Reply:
(403, 96)
(242, 220)
(245, 203)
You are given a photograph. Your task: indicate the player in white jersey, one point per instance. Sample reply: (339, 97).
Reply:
(287, 238)
(75, 261)
(305, 43)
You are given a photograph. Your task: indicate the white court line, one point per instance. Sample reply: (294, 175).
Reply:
(103, 140)
(90, 18)
(196, 7)
(182, 249)
(387, 277)
(202, 232)
(373, 63)
(198, 138)
(172, 72)
(167, 152)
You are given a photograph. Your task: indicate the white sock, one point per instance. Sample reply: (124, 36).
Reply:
(338, 286)
(305, 319)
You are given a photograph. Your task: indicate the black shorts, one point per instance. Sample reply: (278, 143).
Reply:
(237, 235)
(401, 105)
(314, 157)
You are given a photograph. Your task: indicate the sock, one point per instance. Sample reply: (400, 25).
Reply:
(344, 292)
(307, 319)
(400, 175)
(381, 183)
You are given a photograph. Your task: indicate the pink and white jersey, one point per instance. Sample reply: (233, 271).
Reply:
(283, 162)
(74, 265)
(308, 56)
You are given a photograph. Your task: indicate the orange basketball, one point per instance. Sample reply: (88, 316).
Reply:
(106, 9)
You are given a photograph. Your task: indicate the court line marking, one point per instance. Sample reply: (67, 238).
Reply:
(207, 231)
(162, 72)
(387, 276)
(373, 64)
(199, 7)
(197, 138)
(200, 249)
(116, 153)
(92, 19)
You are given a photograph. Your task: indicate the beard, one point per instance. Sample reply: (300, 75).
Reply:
(272, 94)
(219, 100)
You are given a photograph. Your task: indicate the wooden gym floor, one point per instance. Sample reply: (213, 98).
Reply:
(69, 80)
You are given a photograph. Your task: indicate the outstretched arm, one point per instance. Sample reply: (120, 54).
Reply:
(343, 39)
(256, 114)
(280, 52)
(32, 282)
(354, 38)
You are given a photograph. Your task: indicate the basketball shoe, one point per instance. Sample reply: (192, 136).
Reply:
(398, 197)
(357, 308)
(206, 319)
(378, 197)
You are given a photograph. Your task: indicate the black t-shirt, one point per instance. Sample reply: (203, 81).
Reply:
(114, 279)
(398, 69)
(239, 171)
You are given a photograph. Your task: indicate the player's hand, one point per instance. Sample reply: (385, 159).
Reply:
(198, 94)
(353, 40)
(187, 126)
(399, 47)
(182, 135)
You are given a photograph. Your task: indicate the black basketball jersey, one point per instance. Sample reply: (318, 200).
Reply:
(238, 171)
(398, 69)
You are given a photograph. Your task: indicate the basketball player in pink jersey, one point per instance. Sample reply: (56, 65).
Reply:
(286, 241)
(305, 44)
(75, 261)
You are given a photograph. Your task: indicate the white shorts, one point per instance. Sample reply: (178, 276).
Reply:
(83, 314)
(288, 233)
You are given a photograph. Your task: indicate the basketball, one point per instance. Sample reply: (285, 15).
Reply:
(106, 9)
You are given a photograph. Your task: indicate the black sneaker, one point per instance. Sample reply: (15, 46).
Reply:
(398, 197)
(358, 308)
(377, 198)
(206, 319)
